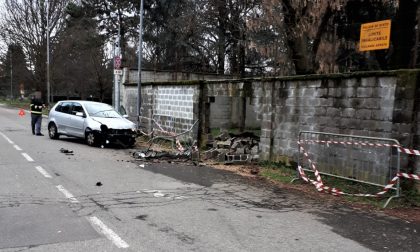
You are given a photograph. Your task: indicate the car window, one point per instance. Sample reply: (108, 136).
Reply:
(66, 107)
(77, 107)
(58, 108)
(101, 110)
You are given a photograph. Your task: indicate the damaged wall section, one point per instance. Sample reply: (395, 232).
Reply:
(377, 104)
(174, 106)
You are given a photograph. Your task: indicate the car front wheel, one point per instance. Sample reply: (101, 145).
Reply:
(91, 138)
(52, 131)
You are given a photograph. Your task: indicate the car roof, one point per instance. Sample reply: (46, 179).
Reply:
(84, 102)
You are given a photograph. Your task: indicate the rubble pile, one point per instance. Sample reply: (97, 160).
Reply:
(229, 148)
(161, 155)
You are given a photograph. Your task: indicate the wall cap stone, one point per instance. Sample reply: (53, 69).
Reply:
(390, 73)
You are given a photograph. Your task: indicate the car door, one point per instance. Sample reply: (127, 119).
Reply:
(62, 117)
(77, 122)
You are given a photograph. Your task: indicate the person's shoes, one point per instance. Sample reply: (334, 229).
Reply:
(33, 133)
(39, 134)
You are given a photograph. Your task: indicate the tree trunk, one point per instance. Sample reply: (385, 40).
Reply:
(402, 37)
(301, 56)
(221, 47)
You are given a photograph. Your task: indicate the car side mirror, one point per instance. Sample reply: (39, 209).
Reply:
(80, 114)
(125, 116)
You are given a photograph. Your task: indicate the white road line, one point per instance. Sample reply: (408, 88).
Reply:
(67, 194)
(17, 147)
(111, 235)
(43, 172)
(7, 139)
(27, 157)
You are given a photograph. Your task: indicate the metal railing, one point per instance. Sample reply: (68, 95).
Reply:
(369, 160)
(183, 143)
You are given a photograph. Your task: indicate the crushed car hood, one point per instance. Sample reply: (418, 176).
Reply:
(115, 123)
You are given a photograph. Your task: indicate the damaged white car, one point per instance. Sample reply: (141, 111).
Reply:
(97, 123)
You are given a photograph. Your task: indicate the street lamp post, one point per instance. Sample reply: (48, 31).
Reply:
(139, 64)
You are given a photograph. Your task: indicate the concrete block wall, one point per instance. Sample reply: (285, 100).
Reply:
(174, 102)
(353, 106)
(220, 112)
(173, 107)
(232, 105)
(374, 104)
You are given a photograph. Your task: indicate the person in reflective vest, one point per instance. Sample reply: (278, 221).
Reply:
(36, 115)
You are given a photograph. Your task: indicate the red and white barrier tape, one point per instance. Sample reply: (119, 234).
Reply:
(337, 192)
(334, 191)
(409, 176)
(312, 164)
(352, 143)
(409, 151)
(399, 147)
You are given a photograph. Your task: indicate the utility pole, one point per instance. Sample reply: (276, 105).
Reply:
(114, 87)
(48, 55)
(139, 64)
(117, 66)
(118, 102)
(11, 71)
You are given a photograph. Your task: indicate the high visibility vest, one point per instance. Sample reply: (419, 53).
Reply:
(36, 108)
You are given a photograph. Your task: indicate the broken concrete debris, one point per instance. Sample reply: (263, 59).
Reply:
(231, 148)
(226, 148)
(161, 155)
(66, 151)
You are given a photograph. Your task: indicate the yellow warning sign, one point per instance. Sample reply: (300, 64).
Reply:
(375, 36)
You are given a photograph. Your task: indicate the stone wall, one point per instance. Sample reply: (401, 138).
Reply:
(373, 104)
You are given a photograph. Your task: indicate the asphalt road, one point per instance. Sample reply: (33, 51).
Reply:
(50, 201)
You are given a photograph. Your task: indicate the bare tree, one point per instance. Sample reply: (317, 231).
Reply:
(25, 22)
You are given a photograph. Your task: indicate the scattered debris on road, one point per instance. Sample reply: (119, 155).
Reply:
(152, 155)
(67, 152)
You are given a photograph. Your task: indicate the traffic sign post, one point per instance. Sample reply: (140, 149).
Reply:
(117, 62)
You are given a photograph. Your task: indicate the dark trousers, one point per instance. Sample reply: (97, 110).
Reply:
(36, 123)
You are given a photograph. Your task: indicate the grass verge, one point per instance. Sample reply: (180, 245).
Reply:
(285, 174)
(16, 103)
(21, 104)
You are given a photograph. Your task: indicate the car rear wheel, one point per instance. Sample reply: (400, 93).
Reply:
(91, 138)
(52, 131)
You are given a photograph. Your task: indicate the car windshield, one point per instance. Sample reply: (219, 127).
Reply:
(101, 110)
